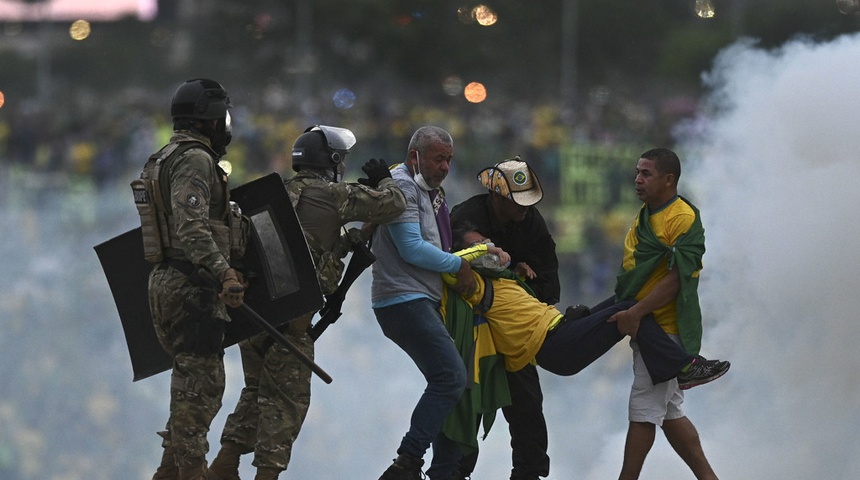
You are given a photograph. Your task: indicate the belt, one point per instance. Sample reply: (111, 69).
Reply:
(183, 266)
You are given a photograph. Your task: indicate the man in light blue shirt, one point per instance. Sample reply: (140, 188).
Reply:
(411, 251)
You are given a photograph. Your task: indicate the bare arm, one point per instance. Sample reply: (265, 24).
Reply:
(664, 292)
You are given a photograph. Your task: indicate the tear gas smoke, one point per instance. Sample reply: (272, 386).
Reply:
(773, 162)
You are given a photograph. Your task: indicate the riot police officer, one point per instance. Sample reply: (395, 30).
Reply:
(191, 235)
(276, 397)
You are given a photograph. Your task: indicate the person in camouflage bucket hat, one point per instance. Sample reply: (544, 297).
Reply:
(275, 400)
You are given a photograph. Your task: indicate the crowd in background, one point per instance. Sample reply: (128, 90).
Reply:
(107, 138)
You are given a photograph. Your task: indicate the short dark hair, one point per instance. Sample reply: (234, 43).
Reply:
(459, 230)
(665, 160)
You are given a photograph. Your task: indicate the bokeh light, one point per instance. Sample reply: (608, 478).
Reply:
(452, 85)
(475, 92)
(79, 30)
(343, 98)
(484, 15)
(848, 7)
(2, 99)
(407, 19)
(704, 8)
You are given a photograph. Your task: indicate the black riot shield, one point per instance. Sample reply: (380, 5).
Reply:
(277, 263)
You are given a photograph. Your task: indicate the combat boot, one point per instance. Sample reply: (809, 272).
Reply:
(405, 467)
(226, 463)
(167, 470)
(195, 472)
(267, 473)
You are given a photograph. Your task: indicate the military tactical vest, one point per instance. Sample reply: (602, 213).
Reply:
(152, 199)
(328, 259)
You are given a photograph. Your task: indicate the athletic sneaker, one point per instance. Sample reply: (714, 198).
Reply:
(702, 371)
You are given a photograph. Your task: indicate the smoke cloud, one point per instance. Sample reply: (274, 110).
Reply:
(774, 160)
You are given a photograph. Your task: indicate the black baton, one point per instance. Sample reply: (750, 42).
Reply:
(278, 336)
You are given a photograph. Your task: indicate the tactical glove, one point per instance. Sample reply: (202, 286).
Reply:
(376, 170)
(232, 290)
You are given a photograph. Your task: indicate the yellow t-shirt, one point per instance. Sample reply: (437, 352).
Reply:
(518, 322)
(668, 224)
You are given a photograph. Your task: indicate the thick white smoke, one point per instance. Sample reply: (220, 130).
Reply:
(774, 165)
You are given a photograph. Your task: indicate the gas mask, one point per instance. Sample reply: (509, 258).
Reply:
(222, 135)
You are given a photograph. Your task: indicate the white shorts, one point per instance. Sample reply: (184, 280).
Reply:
(651, 403)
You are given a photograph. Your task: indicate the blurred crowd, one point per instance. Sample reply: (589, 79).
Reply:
(102, 139)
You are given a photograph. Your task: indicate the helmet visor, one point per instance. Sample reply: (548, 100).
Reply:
(338, 138)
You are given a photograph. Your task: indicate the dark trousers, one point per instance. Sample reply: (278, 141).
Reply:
(527, 427)
(573, 345)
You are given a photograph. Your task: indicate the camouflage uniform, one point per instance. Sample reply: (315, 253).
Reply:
(277, 394)
(198, 192)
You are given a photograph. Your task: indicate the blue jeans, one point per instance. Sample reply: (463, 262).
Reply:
(416, 327)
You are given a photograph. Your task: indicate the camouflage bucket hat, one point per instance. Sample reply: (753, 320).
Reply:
(514, 180)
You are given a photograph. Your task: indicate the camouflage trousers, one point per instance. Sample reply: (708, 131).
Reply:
(275, 400)
(197, 379)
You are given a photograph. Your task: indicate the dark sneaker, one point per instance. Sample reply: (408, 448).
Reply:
(404, 467)
(702, 371)
(576, 312)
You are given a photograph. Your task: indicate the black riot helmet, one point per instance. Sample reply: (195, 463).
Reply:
(200, 99)
(322, 147)
(203, 99)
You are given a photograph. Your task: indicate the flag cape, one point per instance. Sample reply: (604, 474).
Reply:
(686, 255)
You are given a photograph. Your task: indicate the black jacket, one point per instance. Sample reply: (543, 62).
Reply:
(527, 241)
